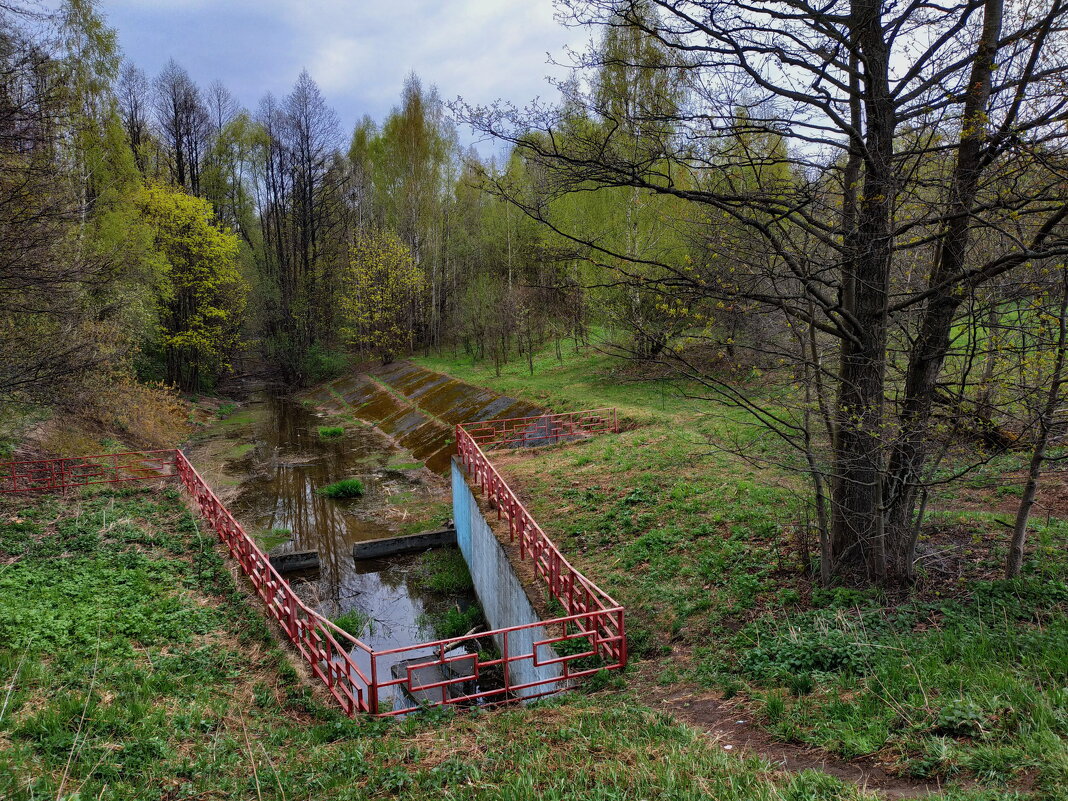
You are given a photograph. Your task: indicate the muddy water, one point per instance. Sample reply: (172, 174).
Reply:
(268, 461)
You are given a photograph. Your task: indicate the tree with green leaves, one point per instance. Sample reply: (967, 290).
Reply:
(202, 296)
(381, 299)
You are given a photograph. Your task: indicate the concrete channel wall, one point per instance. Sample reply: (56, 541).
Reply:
(503, 599)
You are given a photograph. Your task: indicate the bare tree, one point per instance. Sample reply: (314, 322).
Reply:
(134, 96)
(184, 124)
(923, 157)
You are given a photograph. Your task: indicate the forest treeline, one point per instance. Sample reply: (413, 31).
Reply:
(156, 228)
(862, 205)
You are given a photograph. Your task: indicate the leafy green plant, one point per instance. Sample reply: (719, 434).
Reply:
(225, 410)
(355, 622)
(452, 622)
(331, 432)
(961, 718)
(273, 537)
(444, 570)
(345, 488)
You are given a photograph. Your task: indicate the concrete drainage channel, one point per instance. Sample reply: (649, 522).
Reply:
(533, 656)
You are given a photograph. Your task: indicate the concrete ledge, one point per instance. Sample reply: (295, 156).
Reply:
(391, 546)
(502, 595)
(292, 562)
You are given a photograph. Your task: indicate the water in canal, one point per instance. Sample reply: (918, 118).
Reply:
(268, 461)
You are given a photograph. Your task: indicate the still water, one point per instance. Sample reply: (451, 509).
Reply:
(271, 460)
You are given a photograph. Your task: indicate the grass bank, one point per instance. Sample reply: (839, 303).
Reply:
(132, 666)
(964, 682)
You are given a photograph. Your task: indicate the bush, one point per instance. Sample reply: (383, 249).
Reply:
(355, 622)
(331, 432)
(961, 718)
(804, 652)
(454, 622)
(346, 488)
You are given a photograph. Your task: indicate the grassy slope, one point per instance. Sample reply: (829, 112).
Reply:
(969, 683)
(132, 667)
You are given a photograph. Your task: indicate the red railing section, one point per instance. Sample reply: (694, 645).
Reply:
(579, 596)
(327, 649)
(79, 471)
(359, 677)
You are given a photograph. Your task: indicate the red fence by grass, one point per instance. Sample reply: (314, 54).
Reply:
(578, 595)
(592, 627)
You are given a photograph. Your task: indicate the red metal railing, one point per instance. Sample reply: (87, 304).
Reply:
(580, 597)
(545, 429)
(78, 471)
(593, 621)
(327, 649)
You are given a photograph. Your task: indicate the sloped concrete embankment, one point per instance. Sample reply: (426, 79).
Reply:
(418, 407)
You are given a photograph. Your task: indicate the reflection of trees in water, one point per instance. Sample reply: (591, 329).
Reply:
(289, 463)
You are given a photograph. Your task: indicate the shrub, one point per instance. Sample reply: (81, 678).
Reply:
(346, 488)
(804, 652)
(453, 622)
(355, 622)
(960, 718)
(321, 364)
(331, 432)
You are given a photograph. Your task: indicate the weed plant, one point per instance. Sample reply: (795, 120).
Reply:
(345, 488)
(444, 570)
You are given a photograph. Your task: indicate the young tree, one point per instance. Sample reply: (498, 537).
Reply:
(203, 294)
(383, 288)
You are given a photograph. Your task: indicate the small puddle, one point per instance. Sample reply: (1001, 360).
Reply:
(268, 461)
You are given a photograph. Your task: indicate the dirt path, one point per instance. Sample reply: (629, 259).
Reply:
(729, 724)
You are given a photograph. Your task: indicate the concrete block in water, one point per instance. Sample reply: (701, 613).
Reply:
(428, 679)
(292, 562)
(391, 546)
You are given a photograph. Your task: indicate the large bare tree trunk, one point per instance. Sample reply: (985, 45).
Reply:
(857, 532)
(929, 351)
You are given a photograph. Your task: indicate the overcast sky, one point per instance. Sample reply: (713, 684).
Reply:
(359, 51)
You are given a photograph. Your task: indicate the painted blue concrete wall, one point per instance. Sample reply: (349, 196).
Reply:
(497, 586)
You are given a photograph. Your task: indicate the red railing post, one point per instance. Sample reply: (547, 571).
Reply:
(372, 688)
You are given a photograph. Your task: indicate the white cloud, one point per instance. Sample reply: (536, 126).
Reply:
(358, 50)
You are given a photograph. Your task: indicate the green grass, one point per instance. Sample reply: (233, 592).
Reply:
(132, 667)
(331, 432)
(241, 450)
(976, 687)
(701, 548)
(444, 570)
(355, 622)
(345, 488)
(273, 537)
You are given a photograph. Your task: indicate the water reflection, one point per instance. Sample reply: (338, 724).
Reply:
(278, 481)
